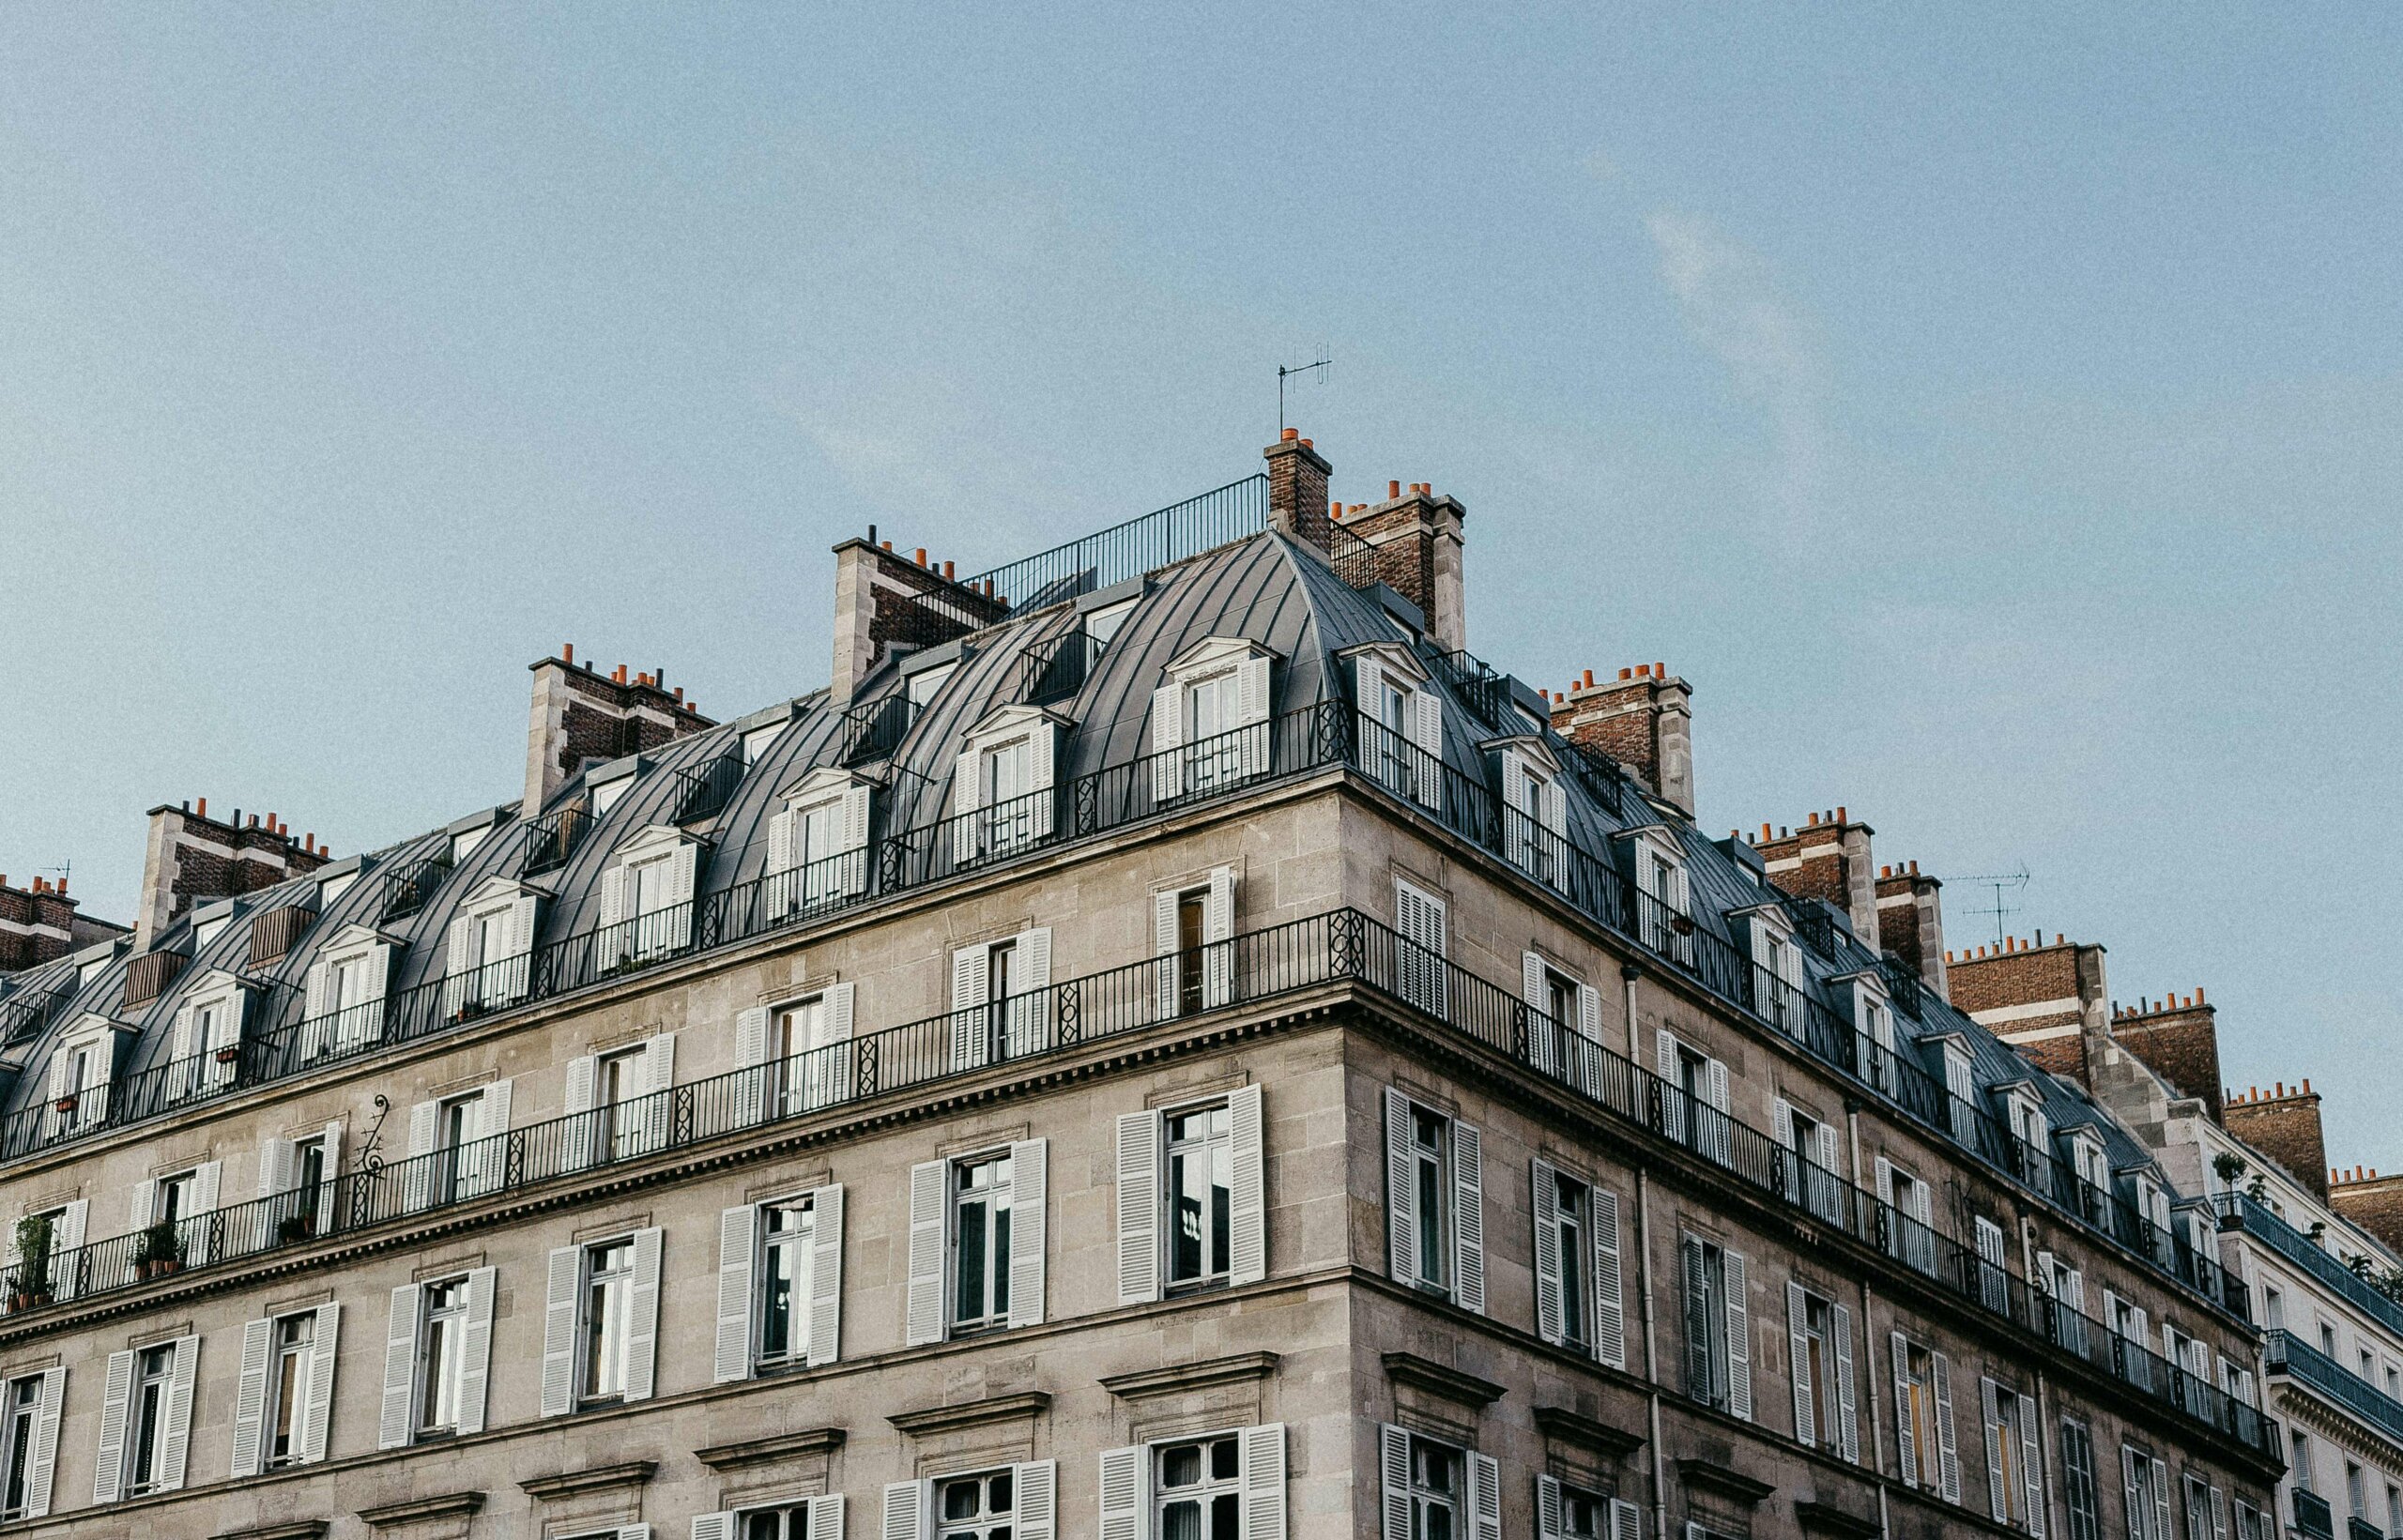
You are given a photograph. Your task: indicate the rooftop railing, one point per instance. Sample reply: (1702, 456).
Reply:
(2240, 1213)
(24, 1013)
(2282, 1353)
(408, 887)
(874, 728)
(705, 788)
(548, 841)
(1056, 668)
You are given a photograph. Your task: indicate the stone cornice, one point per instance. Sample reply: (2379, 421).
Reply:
(1177, 1377)
(598, 1478)
(768, 1451)
(1453, 1385)
(1576, 1427)
(1711, 1475)
(304, 1529)
(966, 1414)
(423, 1509)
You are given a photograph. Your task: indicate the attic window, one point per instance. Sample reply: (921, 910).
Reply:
(1401, 725)
(924, 685)
(1210, 720)
(466, 841)
(334, 887)
(1102, 624)
(606, 797)
(86, 972)
(1002, 799)
(756, 741)
(1535, 815)
(209, 930)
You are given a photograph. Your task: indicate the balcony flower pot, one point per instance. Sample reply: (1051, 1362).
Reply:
(66, 1104)
(157, 1252)
(227, 1054)
(295, 1227)
(1681, 923)
(27, 1297)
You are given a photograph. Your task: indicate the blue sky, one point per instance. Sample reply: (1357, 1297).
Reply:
(2000, 420)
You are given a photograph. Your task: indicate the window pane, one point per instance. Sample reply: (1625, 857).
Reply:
(972, 1262)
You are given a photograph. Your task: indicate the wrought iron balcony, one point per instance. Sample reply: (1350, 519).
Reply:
(408, 888)
(2281, 1353)
(551, 839)
(702, 791)
(2240, 1213)
(2358, 1528)
(874, 728)
(2312, 1516)
(1056, 668)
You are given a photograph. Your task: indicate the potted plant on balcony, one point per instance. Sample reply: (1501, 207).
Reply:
(67, 1104)
(158, 1251)
(229, 1053)
(31, 1285)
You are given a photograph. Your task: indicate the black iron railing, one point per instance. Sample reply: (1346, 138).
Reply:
(703, 790)
(874, 728)
(1485, 690)
(28, 1010)
(2282, 1353)
(1057, 667)
(548, 841)
(2313, 1517)
(406, 888)
(2238, 1211)
(1602, 777)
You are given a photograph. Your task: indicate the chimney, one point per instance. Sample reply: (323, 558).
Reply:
(39, 924)
(1644, 719)
(886, 604)
(579, 715)
(1298, 475)
(1415, 550)
(2179, 1041)
(1910, 922)
(1829, 858)
(192, 858)
(2372, 1202)
(2050, 1002)
(2284, 1125)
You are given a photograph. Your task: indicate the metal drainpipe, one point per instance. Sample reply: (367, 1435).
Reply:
(1869, 1335)
(1628, 973)
(2044, 1392)
(1651, 1349)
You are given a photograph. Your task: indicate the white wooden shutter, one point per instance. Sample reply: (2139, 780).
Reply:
(1948, 1459)
(1847, 1413)
(613, 908)
(1552, 810)
(108, 1475)
(42, 1459)
(1484, 1497)
(1218, 937)
(459, 964)
(1164, 908)
(1543, 1203)
(581, 1135)
(970, 980)
(1989, 1404)
(475, 1349)
(324, 1345)
(1697, 1313)
(249, 1396)
(1037, 1513)
(145, 1202)
(181, 1046)
(1138, 1207)
(825, 1274)
(1547, 1508)
(1042, 756)
(1125, 1499)
(1740, 1336)
(2160, 1498)
(1627, 1520)
(1797, 1336)
(399, 1366)
(1609, 1309)
(906, 1515)
(737, 1238)
(1673, 1097)
(316, 1002)
(1251, 707)
(1468, 1217)
(1426, 735)
(1247, 1200)
(2031, 1475)
(66, 1242)
(206, 1179)
(751, 1053)
(563, 1274)
(642, 1336)
(835, 1024)
(826, 1517)
(1542, 1051)
(1905, 1436)
(854, 835)
(929, 1191)
(2132, 1485)
(782, 854)
(275, 1167)
(1589, 1013)
(967, 792)
(1168, 739)
(1029, 1190)
(1401, 1217)
(659, 1078)
(1393, 1465)
(1262, 1450)
(174, 1442)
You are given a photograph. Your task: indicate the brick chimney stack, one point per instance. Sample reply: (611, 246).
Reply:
(2284, 1125)
(1298, 475)
(580, 715)
(2050, 1002)
(886, 603)
(1910, 922)
(1415, 538)
(39, 924)
(1643, 719)
(2179, 1040)
(2372, 1202)
(1826, 858)
(192, 858)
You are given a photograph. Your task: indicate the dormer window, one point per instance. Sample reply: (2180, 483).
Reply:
(81, 1069)
(757, 740)
(488, 952)
(1535, 809)
(817, 844)
(1210, 727)
(1960, 1091)
(1663, 901)
(2029, 1124)
(1003, 796)
(205, 1045)
(608, 792)
(1777, 970)
(1400, 723)
(1102, 624)
(334, 887)
(926, 685)
(209, 930)
(647, 909)
(344, 1008)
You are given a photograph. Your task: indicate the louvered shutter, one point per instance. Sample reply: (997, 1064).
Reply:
(967, 793)
(1125, 1498)
(559, 1330)
(400, 1364)
(1029, 1190)
(826, 1274)
(1827, 1155)
(1251, 704)
(1739, 1335)
(275, 1167)
(2160, 1498)
(1697, 1321)
(249, 1396)
(1247, 1199)
(1168, 742)
(108, 1475)
(1485, 1496)
(658, 1079)
(174, 1440)
(783, 856)
(1543, 1050)
(1139, 1205)
(737, 1241)
(905, 1510)
(642, 1336)
(1847, 1412)
(1547, 1508)
(1393, 1465)
(970, 977)
(66, 1259)
(459, 964)
(1627, 1520)
(581, 1135)
(835, 1057)
(1426, 735)
(930, 1184)
(324, 1346)
(1028, 1016)
(1261, 1451)
(2031, 1475)
(515, 981)
(315, 1000)
(826, 1517)
(1401, 1217)
(613, 915)
(487, 1162)
(1948, 1459)
(1218, 938)
(1543, 1203)
(1042, 754)
(856, 810)
(1164, 938)
(207, 1178)
(1797, 1336)
(1609, 1309)
(1997, 1501)
(751, 1053)
(1905, 1434)
(1551, 809)
(181, 1046)
(1468, 1217)
(1721, 1144)
(2132, 1478)
(1673, 1097)
(42, 1459)
(1515, 798)
(475, 1349)
(1037, 1513)
(1589, 1013)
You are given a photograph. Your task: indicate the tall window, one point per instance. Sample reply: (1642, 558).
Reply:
(618, 1085)
(1200, 1194)
(1581, 1513)
(1709, 1379)
(790, 1522)
(1192, 935)
(20, 1410)
(1198, 1490)
(608, 1318)
(2078, 1492)
(793, 1032)
(1922, 1427)
(172, 1199)
(651, 886)
(1429, 1196)
(1814, 1335)
(976, 1508)
(460, 1122)
(787, 1236)
(1396, 757)
(145, 1445)
(2009, 1417)
(2298, 1460)
(1005, 774)
(348, 993)
(1434, 1490)
(818, 839)
(1570, 1219)
(442, 1355)
(980, 1295)
(289, 1349)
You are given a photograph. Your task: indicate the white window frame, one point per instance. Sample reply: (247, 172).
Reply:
(1401, 749)
(82, 1068)
(798, 881)
(1134, 1498)
(930, 1309)
(1827, 1412)
(208, 1022)
(567, 1364)
(1664, 892)
(1201, 977)
(1187, 766)
(1923, 1407)
(985, 826)
(1778, 974)
(475, 976)
(259, 1390)
(1535, 809)
(627, 934)
(1459, 1161)
(1716, 1282)
(29, 1437)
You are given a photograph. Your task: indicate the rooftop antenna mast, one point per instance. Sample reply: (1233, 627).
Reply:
(1283, 373)
(2012, 883)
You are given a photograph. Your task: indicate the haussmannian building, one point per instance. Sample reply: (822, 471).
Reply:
(1169, 1045)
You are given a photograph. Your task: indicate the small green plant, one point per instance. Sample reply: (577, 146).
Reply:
(2229, 1166)
(31, 1285)
(159, 1249)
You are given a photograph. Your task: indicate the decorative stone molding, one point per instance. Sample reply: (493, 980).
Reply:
(1180, 1377)
(772, 1450)
(303, 1529)
(1576, 1428)
(969, 1415)
(599, 1478)
(1450, 1384)
(447, 1516)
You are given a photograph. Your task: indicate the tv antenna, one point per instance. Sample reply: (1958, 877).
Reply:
(1284, 372)
(2014, 884)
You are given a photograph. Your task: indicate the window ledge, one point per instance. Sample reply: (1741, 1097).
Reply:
(600, 1478)
(1453, 1385)
(784, 1446)
(951, 1419)
(1180, 1377)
